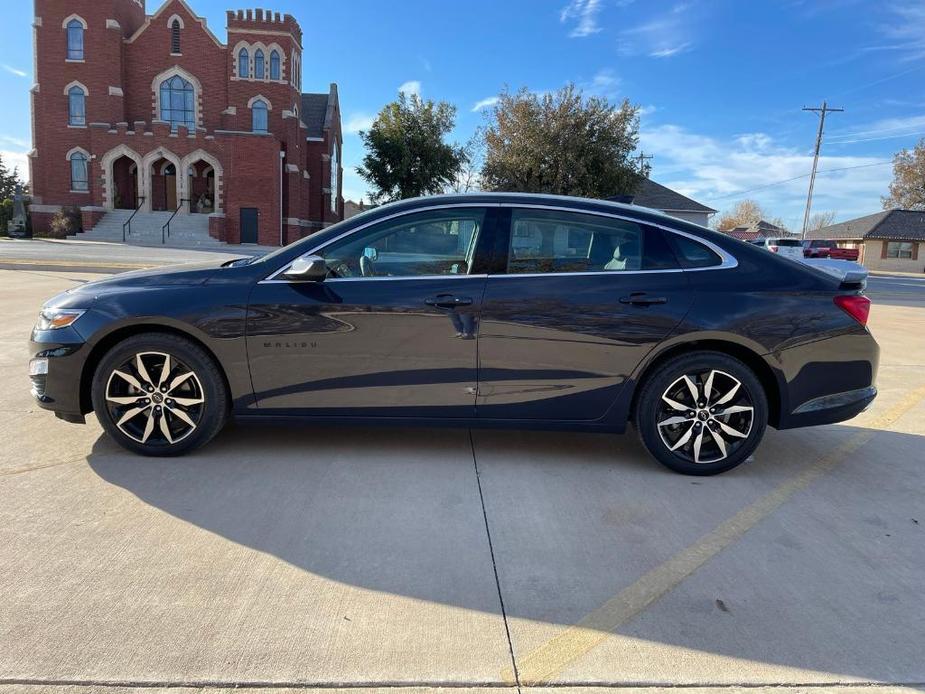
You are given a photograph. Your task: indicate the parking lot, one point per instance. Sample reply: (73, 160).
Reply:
(284, 559)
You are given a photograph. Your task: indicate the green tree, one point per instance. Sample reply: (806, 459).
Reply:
(8, 181)
(406, 155)
(907, 191)
(561, 143)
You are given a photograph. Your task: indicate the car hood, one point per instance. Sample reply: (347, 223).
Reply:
(187, 275)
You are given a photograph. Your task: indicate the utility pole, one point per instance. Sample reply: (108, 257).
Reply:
(644, 168)
(822, 111)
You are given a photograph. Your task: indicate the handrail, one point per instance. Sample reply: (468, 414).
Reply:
(128, 223)
(165, 230)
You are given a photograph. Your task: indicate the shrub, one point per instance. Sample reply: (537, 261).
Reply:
(66, 223)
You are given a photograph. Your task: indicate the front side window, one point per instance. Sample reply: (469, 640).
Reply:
(441, 242)
(260, 116)
(274, 65)
(178, 103)
(76, 106)
(80, 176)
(244, 64)
(548, 241)
(259, 65)
(899, 249)
(75, 40)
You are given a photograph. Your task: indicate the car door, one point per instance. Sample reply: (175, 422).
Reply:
(390, 332)
(583, 300)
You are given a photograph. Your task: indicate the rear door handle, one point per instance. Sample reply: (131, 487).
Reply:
(643, 299)
(448, 301)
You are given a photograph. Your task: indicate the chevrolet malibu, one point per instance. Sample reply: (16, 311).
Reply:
(488, 310)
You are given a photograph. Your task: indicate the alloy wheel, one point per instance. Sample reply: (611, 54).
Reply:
(705, 417)
(155, 399)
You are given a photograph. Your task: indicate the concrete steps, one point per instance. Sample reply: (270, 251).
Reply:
(186, 230)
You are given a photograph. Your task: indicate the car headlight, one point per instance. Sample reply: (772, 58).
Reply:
(55, 318)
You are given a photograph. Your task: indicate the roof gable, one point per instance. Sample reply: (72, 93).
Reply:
(162, 12)
(890, 224)
(314, 113)
(656, 196)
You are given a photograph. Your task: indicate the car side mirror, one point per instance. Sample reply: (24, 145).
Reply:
(308, 268)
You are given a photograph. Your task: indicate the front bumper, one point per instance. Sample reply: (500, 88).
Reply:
(59, 390)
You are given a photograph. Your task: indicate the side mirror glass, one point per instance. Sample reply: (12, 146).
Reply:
(308, 268)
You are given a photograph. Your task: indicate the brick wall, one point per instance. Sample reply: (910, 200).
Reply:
(125, 52)
(874, 259)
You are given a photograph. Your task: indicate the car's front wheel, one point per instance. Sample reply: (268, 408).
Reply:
(159, 395)
(702, 413)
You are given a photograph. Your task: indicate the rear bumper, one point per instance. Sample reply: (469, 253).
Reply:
(830, 409)
(828, 381)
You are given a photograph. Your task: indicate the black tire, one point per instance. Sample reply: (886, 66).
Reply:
(186, 391)
(722, 445)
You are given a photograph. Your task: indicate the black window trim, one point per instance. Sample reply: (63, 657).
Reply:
(729, 261)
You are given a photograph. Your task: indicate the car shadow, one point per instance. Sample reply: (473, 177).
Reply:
(575, 519)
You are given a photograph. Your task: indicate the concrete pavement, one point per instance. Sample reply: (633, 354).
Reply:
(285, 559)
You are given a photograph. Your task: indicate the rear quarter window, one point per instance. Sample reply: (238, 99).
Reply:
(693, 254)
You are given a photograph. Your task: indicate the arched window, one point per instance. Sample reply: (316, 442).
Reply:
(75, 40)
(175, 36)
(335, 177)
(274, 65)
(244, 64)
(80, 175)
(76, 106)
(178, 103)
(260, 112)
(259, 65)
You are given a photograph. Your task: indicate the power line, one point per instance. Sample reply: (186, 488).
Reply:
(821, 111)
(797, 178)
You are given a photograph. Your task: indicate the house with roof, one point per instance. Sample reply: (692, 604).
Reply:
(891, 240)
(655, 196)
(758, 231)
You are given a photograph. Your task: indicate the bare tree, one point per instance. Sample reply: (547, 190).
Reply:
(820, 220)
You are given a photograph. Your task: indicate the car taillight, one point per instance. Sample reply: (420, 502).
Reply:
(855, 305)
(773, 249)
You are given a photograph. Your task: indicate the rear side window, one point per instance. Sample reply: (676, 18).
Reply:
(692, 254)
(550, 241)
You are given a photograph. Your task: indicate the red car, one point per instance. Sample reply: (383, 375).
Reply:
(829, 249)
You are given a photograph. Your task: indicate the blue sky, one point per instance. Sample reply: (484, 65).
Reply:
(721, 82)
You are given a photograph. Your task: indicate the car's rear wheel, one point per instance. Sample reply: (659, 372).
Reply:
(159, 395)
(702, 413)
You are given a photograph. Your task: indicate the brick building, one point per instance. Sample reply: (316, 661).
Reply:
(153, 111)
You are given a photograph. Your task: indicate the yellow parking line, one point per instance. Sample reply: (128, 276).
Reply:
(548, 660)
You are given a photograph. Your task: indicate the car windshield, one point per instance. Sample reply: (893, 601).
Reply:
(318, 237)
(786, 242)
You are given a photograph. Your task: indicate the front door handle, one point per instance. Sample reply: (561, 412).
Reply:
(448, 301)
(643, 299)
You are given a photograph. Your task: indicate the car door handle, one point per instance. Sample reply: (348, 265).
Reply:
(643, 299)
(448, 301)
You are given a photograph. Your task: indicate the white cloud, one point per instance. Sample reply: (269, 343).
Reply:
(410, 87)
(883, 129)
(485, 103)
(359, 121)
(18, 160)
(669, 51)
(584, 14)
(15, 71)
(604, 83)
(720, 172)
(664, 36)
